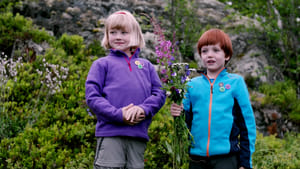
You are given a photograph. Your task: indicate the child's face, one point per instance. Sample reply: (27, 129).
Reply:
(119, 39)
(213, 57)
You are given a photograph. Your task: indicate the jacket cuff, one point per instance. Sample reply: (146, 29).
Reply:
(145, 109)
(119, 116)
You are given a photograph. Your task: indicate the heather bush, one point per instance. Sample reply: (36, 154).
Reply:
(44, 118)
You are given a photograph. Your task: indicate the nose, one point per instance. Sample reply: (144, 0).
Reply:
(210, 54)
(118, 36)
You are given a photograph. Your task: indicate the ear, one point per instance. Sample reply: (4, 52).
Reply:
(199, 56)
(227, 58)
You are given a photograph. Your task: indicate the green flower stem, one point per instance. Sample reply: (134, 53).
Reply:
(180, 141)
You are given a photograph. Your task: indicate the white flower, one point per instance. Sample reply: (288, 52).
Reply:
(229, 3)
(168, 93)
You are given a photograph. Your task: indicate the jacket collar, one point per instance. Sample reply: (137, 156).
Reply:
(114, 52)
(203, 71)
(223, 72)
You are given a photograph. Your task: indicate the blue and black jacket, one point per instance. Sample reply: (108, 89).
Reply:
(220, 117)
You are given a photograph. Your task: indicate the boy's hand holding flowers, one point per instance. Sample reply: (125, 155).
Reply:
(176, 109)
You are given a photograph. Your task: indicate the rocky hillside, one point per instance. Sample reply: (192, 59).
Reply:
(86, 18)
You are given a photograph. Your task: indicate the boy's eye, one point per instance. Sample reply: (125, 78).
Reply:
(203, 50)
(216, 49)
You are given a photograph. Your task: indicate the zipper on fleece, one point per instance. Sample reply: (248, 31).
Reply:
(128, 60)
(210, 107)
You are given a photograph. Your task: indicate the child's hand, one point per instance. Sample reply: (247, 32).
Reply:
(135, 114)
(176, 109)
(140, 115)
(126, 114)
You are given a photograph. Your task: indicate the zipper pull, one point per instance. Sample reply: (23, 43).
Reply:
(129, 65)
(211, 89)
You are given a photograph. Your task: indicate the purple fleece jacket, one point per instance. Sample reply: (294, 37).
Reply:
(116, 81)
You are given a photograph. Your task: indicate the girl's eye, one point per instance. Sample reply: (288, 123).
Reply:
(124, 32)
(112, 32)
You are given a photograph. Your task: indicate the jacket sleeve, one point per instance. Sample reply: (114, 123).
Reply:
(153, 103)
(187, 107)
(246, 124)
(94, 94)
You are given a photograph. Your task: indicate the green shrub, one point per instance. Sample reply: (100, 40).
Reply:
(6, 5)
(53, 147)
(95, 49)
(156, 155)
(284, 96)
(272, 152)
(51, 128)
(45, 121)
(17, 27)
(72, 44)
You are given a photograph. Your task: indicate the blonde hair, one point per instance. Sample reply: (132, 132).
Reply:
(124, 20)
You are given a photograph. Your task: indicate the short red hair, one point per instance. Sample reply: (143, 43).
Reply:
(213, 37)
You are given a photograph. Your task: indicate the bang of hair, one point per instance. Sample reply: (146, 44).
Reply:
(120, 21)
(213, 37)
(125, 21)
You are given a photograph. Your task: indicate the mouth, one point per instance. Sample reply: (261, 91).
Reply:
(210, 62)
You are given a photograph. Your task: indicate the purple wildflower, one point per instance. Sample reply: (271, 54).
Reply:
(183, 78)
(164, 80)
(89, 112)
(188, 72)
(163, 71)
(173, 88)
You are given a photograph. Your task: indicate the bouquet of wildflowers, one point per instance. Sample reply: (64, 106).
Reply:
(174, 77)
